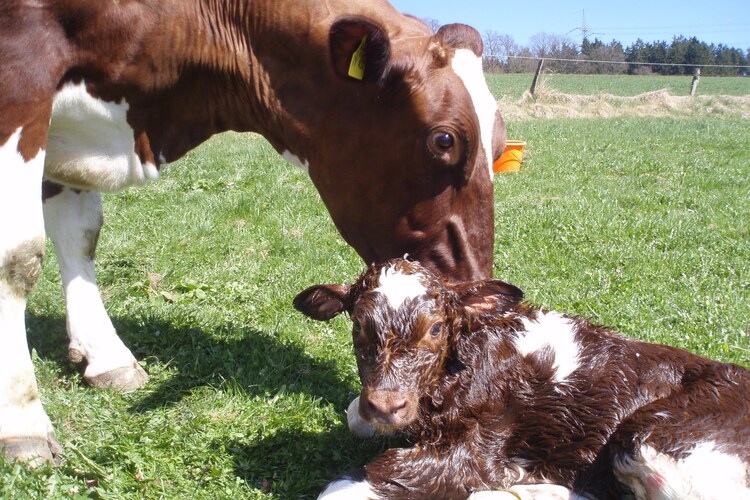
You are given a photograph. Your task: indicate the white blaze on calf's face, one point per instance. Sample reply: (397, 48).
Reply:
(398, 287)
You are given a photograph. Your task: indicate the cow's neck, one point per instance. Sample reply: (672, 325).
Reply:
(251, 62)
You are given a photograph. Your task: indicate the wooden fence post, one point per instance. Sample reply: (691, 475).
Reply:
(696, 79)
(536, 76)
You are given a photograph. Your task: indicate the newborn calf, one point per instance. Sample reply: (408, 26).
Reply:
(496, 393)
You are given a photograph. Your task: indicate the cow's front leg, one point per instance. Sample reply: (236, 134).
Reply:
(73, 219)
(25, 429)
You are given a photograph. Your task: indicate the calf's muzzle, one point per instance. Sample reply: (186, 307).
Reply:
(387, 409)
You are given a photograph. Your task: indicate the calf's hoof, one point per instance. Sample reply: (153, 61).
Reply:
(123, 379)
(34, 451)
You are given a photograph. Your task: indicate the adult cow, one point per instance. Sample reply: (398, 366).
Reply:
(394, 124)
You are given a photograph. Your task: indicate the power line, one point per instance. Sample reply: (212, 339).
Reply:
(684, 65)
(679, 27)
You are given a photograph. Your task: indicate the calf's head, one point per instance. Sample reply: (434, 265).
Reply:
(405, 322)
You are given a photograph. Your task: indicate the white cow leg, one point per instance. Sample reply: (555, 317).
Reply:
(73, 219)
(25, 429)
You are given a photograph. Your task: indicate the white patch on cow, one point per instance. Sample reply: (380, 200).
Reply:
(399, 287)
(530, 491)
(20, 195)
(296, 161)
(348, 489)
(91, 145)
(358, 425)
(73, 220)
(707, 473)
(21, 412)
(556, 332)
(469, 68)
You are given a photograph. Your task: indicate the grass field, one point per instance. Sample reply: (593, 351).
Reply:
(642, 224)
(513, 85)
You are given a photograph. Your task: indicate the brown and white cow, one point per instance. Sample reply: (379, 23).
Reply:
(394, 124)
(497, 394)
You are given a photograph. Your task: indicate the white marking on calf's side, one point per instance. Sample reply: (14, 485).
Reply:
(398, 287)
(348, 489)
(552, 330)
(91, 145)
(468, 67)
(707, 473)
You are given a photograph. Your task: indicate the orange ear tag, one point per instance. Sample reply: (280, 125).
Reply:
(357, 65)
(510, 160)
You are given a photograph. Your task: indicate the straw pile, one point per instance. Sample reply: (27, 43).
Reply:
(548, 103)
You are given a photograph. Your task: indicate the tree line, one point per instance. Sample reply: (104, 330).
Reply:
(681, 56)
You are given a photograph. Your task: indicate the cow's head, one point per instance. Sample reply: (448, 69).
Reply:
(405, 319)
(402, 151)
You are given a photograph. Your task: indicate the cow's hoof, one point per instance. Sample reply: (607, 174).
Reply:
(34, 451)
(124, 379)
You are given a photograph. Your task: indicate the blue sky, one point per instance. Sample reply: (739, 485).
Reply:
(716, 21)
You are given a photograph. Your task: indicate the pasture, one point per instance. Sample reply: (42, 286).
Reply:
(514, 85)
(639, 223)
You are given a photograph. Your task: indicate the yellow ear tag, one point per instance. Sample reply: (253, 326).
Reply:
(357, 66)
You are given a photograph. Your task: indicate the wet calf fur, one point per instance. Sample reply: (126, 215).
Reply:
(494, 393)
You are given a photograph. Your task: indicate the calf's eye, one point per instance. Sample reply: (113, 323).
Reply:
(436, 328)
(356, 327)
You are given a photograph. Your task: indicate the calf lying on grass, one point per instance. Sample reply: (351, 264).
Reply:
(496, 393)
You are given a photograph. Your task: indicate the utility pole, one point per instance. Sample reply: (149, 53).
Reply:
(584, 28)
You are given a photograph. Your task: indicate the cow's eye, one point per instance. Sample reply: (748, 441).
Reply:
(436, 328)
(444, 141)
(446, 145)
(356, 327)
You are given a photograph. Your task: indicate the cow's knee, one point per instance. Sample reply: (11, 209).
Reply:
(22, 265)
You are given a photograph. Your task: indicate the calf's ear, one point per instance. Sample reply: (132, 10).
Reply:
(359, 49)
(489, 295)
(322, 302)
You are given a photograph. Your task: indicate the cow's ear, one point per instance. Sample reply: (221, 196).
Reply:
(452, 37)
(488, 295)
(322, 302)
(359, 49)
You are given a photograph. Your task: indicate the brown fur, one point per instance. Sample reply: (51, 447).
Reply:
(21, 266)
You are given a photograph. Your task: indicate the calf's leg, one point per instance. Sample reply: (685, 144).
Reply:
(25, 429)
(692, 444)
(425, 472)
(73, 219)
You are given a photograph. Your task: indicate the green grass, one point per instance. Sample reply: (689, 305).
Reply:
(641, 224)
(513, 85)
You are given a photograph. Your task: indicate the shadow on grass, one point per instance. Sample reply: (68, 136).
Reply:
(280, 464)
(253, 362)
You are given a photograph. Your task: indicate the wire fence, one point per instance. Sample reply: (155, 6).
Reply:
(625, 63)
(512, 63)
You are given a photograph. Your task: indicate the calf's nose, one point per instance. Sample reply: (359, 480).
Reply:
(385, 406)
